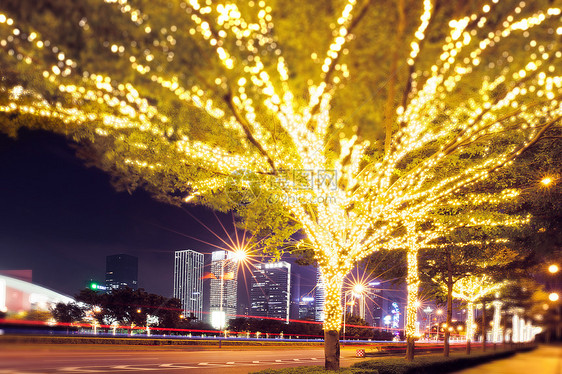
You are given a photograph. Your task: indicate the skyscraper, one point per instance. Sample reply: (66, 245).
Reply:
(307, 310)
(271, 290)
(188, 281)
(319, 298)
(121, 271)
(224, 287)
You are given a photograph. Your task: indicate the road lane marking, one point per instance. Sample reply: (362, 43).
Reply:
(203, 363)
(78, 369)
(230, 363)
(296, 359)
(130, 367)
(178, 366)
(255, 362)
(278, 360)
(313, 358)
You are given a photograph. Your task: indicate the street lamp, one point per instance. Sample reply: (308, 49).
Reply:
(345, 310)
(428, 311)
(547, 181)
(553, 269)
(358, 290)
(553, 296)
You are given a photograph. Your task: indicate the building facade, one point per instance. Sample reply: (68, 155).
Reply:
(319, 298)
(223, 288)
(307, 312)
(121, 271)
(270, 292)
(188, 281)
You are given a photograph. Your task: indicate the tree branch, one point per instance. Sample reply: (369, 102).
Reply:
(391, 88)
(332, 67)
(246, 127)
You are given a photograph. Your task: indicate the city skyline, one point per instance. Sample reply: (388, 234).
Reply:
(66, 239)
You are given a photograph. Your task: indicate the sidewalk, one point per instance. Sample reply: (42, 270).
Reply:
(543, 360)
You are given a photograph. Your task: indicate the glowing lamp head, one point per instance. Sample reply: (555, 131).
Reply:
(553, 268)
(553, 296)
(240, 255)
(358, 289)
(547, 181)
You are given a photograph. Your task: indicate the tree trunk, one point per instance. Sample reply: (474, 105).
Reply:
(332, 350)
(412, 281)
(469, 325)
(333, 281)
(410, 346)
(446, 347)
(483, 326)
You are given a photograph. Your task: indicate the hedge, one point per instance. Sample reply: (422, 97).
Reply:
(398, 365)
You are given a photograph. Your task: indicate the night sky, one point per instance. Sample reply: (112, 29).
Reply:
(60, 219)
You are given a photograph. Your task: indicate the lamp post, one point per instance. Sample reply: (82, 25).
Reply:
(428, 311)
(345, 311)
(358, 291)
(439, 313)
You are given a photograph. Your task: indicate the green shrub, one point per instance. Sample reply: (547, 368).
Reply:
(430, 364)
(314, 370)
(398, 365)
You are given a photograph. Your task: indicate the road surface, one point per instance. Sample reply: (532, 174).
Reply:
(42, 358)
(543, 360)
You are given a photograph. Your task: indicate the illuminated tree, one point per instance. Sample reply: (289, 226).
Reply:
(449, 263)
(471, 289)
(200, 103)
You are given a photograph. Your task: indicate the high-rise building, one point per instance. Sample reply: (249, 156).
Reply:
(295, 295)
(307, 309)
(374, 303)
(270, 294)
(319, 298)
(224, 287)
(121, 271)
(188, 281)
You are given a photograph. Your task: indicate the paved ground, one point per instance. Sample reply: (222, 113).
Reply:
(543, 360)
(40, 358)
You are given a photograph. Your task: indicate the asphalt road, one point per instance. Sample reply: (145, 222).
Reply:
(35, 358)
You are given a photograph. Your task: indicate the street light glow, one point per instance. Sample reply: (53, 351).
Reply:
(547, 181)
(553, 296)
(240, 255)
(359, 288)
(553, 268)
